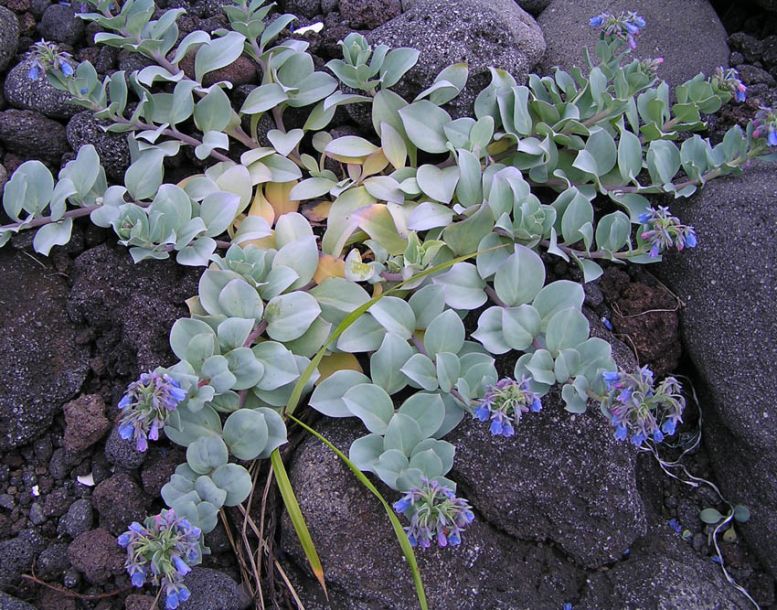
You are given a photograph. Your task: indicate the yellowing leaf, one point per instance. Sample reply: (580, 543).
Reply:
(332, 363)
(329, 266)
(317, 212)
(375, 163)
(277, 193)
(261, 207)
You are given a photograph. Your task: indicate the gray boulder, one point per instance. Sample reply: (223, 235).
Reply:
(729, 325)
(39, 95)
(9, 36)
(482, 33)
(686, 33)
(43, 365)
(364, 565)
(561, 478)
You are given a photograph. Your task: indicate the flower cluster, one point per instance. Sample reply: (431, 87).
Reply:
(435, 514)
(728, 80)
(765, 124)
(625, 26)
(146, 406)
(662, 231)
(505, 402)
(162, 551)
(638, 408)
(45, 56)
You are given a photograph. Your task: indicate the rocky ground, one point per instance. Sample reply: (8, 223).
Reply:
(565, 513)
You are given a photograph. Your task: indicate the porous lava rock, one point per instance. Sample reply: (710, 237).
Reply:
(43, 364)
(85, 422)
(96, 555)
(9, 36)
(130, 308)
(482, 33)
(29, 134)
(39, 94)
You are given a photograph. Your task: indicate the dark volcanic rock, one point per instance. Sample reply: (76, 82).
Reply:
(361, 554)
(686, 33)
(119, 501)
(482, 33)
(16, 556)
(59, 23)
(130, 307)
(8, 602)
(85, 422)
(123, 452)
(369, 14)
(113, 148)
(9, 36)
(729, 286)
(661, 572)
(568, 481)
(42, 364)
(303, 8)
(39, 95)
(78, 519)
(31, 135)
(212, 589)
(96, 555)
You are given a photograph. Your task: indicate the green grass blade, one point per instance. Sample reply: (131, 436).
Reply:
(399, 531)
(297, 519)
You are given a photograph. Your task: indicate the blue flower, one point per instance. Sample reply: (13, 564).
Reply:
(621, 433)
(435, 515)
(66, 68)
(658, 436)
(567, 606)
(403, 505)
(637, 439)
(611, 377)
(690, 239)
(771, 138)
(504, 404)
(675, 525)
(180, 565)
(138, 579)
(669, 426)
(35, 71)
(147, 405)
(155, 552)
(597, 21)
(171, 601)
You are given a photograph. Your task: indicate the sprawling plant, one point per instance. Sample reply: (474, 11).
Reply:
(342, 269)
